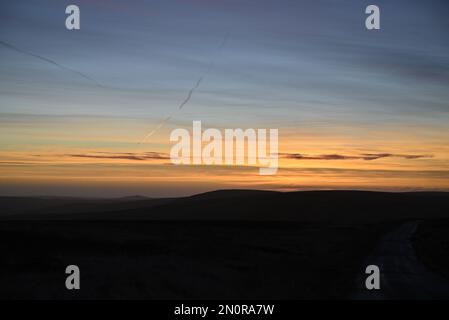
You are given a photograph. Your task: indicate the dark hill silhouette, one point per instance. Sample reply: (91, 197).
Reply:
(226, 244)
(253, 205)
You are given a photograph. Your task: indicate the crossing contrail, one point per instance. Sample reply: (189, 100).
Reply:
(189, 95)
(14, 48)
(163, 122)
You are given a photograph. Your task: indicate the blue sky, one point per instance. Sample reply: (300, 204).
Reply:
(288, 56)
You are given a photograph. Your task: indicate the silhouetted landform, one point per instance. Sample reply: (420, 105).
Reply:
(231, 244)
(240, 205)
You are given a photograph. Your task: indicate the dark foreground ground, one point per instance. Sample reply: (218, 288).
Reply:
(307, 245)
(182, 259)
(432, 245)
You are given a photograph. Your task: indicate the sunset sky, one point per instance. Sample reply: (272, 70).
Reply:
(355, 109)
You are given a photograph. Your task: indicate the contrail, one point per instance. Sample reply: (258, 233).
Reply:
(12, 47)
(225, 39)
(155, 129)
(163, 122)
(189, 95)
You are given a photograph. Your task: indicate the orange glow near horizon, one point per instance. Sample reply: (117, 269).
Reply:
(127, 167)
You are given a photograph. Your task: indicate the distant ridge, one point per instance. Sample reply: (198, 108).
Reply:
(227, 193)
(342, 206)
(134, 198)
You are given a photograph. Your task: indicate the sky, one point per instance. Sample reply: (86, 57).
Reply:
(355, 109)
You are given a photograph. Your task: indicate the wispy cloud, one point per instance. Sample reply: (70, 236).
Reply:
(122, 155)
(363, 156)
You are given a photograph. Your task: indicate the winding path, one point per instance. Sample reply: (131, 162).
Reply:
(403, 276)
